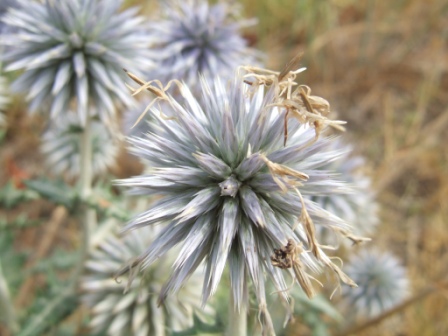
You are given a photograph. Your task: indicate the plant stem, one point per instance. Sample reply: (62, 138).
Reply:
(237, 319)
(86, 177)
(88, 218)
(88, 225)
(7, 314)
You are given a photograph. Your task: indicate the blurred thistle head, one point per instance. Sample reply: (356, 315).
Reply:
(232, 191)
(381, 279)
(194, 37)
(358, 206)
(136, 312)
(62, 140)
(74, 50)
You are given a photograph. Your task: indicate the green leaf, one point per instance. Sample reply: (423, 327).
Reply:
(107, 203)
(55, 191)
(200, 328)
(319, 304)
(10, 196)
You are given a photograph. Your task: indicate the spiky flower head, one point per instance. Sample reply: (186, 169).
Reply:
(382, 282)
(193, 37)
(74, 50)
(62, 140)
(136, 312)
(231, 190)
(357, 207)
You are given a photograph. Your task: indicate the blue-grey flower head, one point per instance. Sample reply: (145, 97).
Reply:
(136, 312)
(74, 50)
(358, 206)
(381, 279)
(61, 145)
(230, 191)
(194, 37)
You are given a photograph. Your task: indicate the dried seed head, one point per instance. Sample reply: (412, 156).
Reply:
(295, 99)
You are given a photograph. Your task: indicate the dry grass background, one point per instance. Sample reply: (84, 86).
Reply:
(383, 66)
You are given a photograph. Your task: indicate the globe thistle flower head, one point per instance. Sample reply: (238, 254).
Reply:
(74, 50)
(194, 37)
(61, 145)
(136, 312)
(232, 191)
(382, 282)
(358, 206)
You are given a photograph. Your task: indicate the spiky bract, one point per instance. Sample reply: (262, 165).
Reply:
(136, 312)
(228, 188)
(357, 207)
(382, 283)
(193, 37)
(74, 49)
(4, 6)
(62, 140)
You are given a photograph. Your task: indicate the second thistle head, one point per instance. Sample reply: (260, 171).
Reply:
(74, 50)
(382, 283)
(136, 312)
(193, 37)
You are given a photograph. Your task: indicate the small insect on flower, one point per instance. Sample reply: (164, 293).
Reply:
(288, 257)
(299, 103)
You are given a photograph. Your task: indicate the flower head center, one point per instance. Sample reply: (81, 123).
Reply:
(76, 41)
(230, 186)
